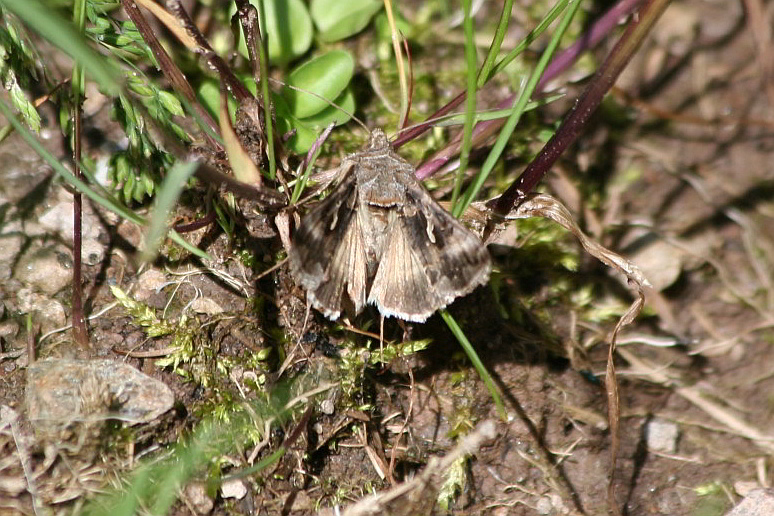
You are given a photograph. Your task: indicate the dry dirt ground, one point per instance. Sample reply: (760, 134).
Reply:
(683, 187)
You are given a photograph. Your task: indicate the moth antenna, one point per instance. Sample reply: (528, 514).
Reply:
(329, 102)
(430, 122)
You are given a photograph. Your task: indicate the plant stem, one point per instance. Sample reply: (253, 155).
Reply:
(80, 333)
(562, 61)
(588, 102)
(263, 66)
(402, 78)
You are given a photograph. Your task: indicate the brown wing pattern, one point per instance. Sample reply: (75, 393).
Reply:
(430, 260)
(401, 287)
(423, 261)
(327, 254)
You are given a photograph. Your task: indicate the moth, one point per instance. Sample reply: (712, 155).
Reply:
(379, 238)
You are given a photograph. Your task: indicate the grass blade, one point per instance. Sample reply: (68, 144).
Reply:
(518, 109)
(477, 363)
(166, 199)
(470, 103)
(497, 42)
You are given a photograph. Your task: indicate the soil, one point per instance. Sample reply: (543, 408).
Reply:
(675, 174)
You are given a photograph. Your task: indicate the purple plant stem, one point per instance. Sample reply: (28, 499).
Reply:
(558, 64)
(196, 224)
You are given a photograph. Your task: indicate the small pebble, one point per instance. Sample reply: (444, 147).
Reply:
(196, 494)
(47, 269)
(661, 436)
(205, 305)
(327, 407)
(233, 488)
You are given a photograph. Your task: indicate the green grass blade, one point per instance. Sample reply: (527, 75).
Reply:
(79, 18)
(470, 99)
(260, 466)
(263, 57)
(475, 360)
(166, 199)
(547, 20)
(518, 110)
(494, 114)
(298, 188)
(497, 41)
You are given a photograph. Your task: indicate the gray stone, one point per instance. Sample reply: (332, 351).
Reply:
(544, 505)
(11, 240)
(47, 311)
(759, 502)
(206, 305)
(59, 220)
(149, 283)
(21, 173)
(233, 488)
(61, 390)
(327, 407)
(196, 494)
(47, 269)
(661, 436)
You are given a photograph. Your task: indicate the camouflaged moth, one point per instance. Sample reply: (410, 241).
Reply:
(380, 238)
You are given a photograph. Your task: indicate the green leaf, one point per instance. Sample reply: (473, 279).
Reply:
(383, 31)
(308, 129)
(171, 103)
(326, 76)
(340, 113)
(208, 94)
(303, 138)
(21, 102)
(288, 27)
(338, 20)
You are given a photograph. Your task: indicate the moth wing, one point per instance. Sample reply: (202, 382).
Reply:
(328, 253)
(401, 288)
(430, 260)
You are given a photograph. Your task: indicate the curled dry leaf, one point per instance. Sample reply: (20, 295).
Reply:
(542, 205)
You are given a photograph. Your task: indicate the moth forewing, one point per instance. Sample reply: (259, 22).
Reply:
(382, 238)
(456, 260)
(347, 268)
(327, 253)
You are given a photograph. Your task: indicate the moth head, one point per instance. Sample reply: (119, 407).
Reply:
(378, 140)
